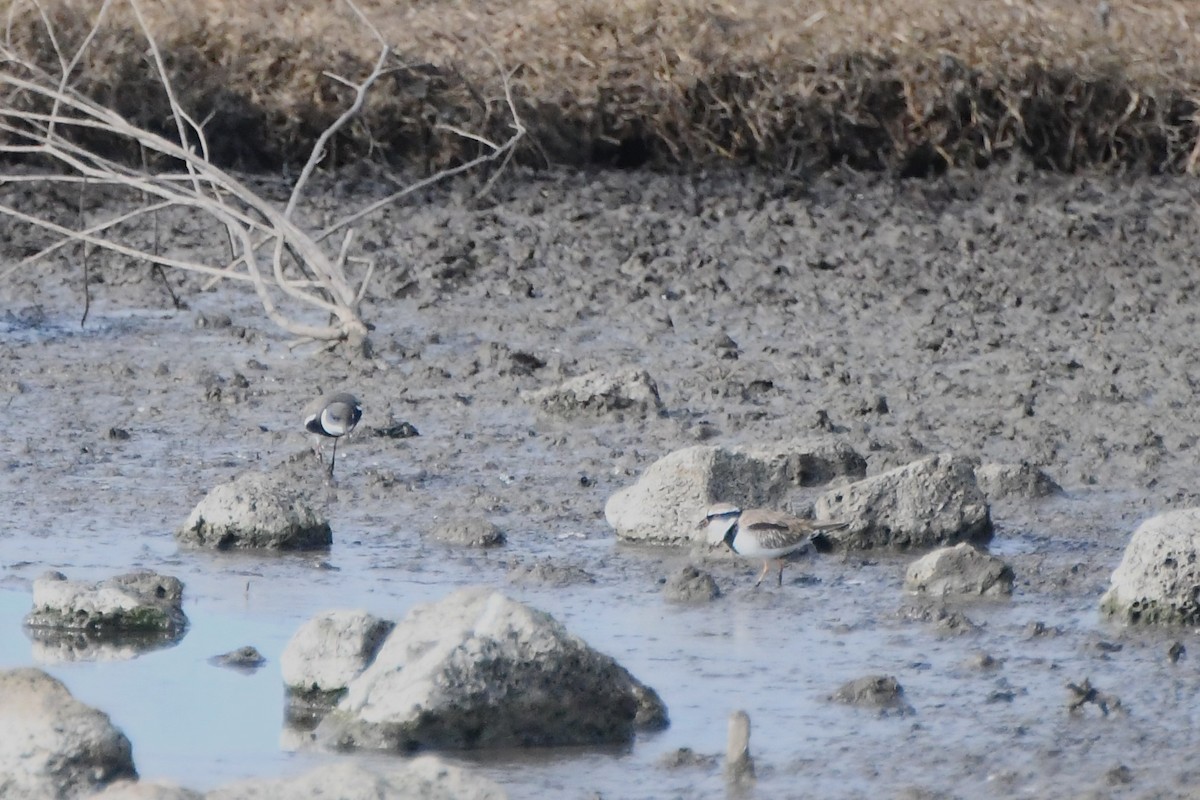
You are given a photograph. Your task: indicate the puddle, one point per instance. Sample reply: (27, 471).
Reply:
(190, 722)
(778, 654)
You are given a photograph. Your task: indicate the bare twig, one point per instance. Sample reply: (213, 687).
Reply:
(97, 228)
(318, 151)
(84, 253)
(183, 122)
(496, 152)
(292, 272)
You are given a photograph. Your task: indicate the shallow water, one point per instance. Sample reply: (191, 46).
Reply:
(190, 722)
(776, 653)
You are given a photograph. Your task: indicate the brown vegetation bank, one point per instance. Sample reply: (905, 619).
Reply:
(909, 86)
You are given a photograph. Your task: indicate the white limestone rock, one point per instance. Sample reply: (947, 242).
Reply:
(1158, 579)
(959, 570)
(52, 745)
(256, 511)
(477, 669)
(931, 502)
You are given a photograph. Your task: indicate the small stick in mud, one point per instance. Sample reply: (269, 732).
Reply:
(739, 764)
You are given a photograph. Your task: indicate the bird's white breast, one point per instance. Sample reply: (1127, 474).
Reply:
(747, 544)
(334, 424)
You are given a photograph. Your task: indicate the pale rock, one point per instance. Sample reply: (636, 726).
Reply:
(142, 601)
(329, 651)
(959, 570)
(52, 745)
(667, 502)
(477, 669)
(256, 511)
(934, 501)
(1158, 579)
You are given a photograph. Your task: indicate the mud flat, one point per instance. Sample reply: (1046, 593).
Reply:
(1008, 317)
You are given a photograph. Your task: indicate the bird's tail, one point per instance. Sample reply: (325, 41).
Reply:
(820, 542)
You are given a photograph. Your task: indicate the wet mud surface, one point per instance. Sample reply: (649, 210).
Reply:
(1011, 317)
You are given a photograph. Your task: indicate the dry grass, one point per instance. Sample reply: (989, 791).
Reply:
(906, 85)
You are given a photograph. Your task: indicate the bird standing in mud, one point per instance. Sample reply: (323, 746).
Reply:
(761, 533)
(338, 415)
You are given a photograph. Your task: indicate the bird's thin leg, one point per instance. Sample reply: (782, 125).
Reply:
(333, 458)
(781, 572)
(763, 573)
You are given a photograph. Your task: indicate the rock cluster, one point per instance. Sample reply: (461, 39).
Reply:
(930, 502)
(475, 669)
(54, 746)
(665, 504)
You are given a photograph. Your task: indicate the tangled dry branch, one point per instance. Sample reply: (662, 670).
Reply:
(45, 119)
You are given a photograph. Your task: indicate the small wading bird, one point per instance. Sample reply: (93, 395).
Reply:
(761, 533)
(338, 415)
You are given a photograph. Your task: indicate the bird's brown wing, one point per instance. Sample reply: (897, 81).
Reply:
(780, 529)
(767, 518)
(774, 529)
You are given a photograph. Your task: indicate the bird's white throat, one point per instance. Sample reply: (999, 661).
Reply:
(717, 527)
